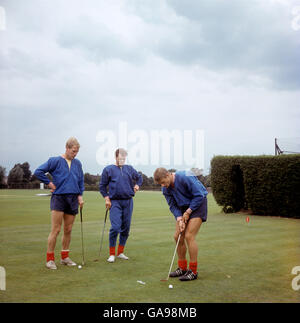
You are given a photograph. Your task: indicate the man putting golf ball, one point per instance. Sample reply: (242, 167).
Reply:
(123, 181)
(186, 197)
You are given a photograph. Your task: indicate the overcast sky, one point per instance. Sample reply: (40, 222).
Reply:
(76, 68)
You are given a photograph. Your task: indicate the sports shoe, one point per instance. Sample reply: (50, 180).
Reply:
(51, 264)
(189, 275)
(122, 256)
(111, 258)
(177, 273)
(67, 261)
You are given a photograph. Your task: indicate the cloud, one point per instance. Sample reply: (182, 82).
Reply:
(97, 42)
(254, 37)
(68, 69)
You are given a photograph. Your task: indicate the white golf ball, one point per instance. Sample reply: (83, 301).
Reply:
(170, 286)
(79, 267)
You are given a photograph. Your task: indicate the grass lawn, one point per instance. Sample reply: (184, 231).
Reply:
(238, 261)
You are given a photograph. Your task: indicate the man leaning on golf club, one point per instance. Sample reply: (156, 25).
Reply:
(118, 185)
(186, 197)
(67, 187)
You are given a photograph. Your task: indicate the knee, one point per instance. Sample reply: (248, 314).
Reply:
(68, 229)
(125, 232)
(189, 237)
(125, 228)
(115, 229)
(176, 236)
(55, 231)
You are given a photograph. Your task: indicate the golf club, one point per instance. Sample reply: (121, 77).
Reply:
(82, 236)
(164, 280)
(102, 235)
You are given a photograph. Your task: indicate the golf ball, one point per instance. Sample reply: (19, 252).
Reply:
(170, 286)
(79, 267)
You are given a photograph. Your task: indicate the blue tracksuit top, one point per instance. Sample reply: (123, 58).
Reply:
(120, 182)
(187, 191)
(67, 180)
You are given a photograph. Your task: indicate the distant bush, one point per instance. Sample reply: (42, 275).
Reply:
(268, 185)
(91, 187)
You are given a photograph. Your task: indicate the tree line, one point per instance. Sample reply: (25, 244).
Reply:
(21, 177)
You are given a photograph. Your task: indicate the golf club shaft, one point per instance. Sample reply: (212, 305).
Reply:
(174, 255)
(103, 232)
(81, 236)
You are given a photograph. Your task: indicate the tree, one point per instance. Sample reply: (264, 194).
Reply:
(205, 180)
(91, 179)
(26, 172)
(88, 179)
(15, 176)
(145, 180)
(2, 176)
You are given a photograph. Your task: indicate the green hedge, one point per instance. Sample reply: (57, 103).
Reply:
(268, 185)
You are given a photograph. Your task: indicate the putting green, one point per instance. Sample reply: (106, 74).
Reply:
(238, 261)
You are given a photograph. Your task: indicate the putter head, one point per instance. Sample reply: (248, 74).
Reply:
(164, 280)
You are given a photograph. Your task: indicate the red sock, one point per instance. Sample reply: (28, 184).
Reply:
(120, 249)
(64, 254)
(182, 264)
(193, 267)
(50, 256)
(112, 251)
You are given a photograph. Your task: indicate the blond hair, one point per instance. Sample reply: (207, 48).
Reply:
(159, 174)
(71, 142)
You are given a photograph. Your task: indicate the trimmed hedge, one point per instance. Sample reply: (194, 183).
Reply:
(268, 185)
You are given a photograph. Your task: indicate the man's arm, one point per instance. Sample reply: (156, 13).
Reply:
(173, 205)
(103, 188)
(41, 171)
(197, 190)
(103, 183)
(138, 179)
(81, 180)
(81, 186)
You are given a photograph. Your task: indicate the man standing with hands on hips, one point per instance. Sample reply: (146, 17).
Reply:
(186, 197)
(67, 187)
(122, 182)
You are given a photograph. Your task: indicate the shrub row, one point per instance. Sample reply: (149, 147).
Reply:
(95, 187)
(268, 185)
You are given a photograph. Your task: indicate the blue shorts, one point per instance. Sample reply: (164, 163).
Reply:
(67, 203)
(201, 212)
